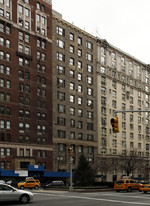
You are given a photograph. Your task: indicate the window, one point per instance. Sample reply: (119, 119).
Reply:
(1, 12)
(2, 124)
(72, 123)
(1, 41)
(79, 52)
(38, 5)
(60, 44)
(2, 68)
(79, 64)
(2, 96)
(80, 113)
(90, 126)
(61, 95)
(89, 68)
(79, 100)
(72, 98)
(89, 45)
(61, 121)
(79, 40)
(79, 77)
(72, 111)
(90, 91)
(60, 31)
(89, 115)
(79, 88)
(60, 69)
(89, 80)
(60, 82)
(43, 45)
(20, 36)
(8, 151)
(72, 86)
(8, 84)
(2, 27)
(27, 12)
(60, 57)
(21, 152)
(72, 135)
(80, 124)
(1, 1)
(43, 20)
(1, 55)
(71, 61)
(89, 57)
(27, 50)
(43, 8)
(72, 73)
(27, 25)
(2, 152)
(61, 134)
(71, 49)
(20, 61)
(20, 8)
(61, 108)
(8, 29)
(7, 43)
(71, 36)
(2, 83)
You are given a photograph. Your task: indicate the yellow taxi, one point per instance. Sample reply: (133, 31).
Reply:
(126, 184)
(29, 183)
(145, 188)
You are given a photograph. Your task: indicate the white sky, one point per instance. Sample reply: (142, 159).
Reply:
(123, 23)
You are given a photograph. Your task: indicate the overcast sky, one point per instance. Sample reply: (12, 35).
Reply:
(123, 23)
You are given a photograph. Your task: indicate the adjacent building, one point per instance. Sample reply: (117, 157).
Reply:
(123, 83)
(74, 55)
(25, 84)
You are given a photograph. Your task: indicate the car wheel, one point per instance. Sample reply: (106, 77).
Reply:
(36, 187)
(22, 187)
(129, 189)
(24, 199)
(145, 191)
(117, 190)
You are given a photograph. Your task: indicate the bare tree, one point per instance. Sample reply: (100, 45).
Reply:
(130, 162)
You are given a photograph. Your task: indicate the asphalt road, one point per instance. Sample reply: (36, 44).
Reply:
(62, 198)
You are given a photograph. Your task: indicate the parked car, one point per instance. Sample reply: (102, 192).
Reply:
(126, 185)
(29, 183)
(9, 193)
(54, 183)
(145, 188)
(2, 181)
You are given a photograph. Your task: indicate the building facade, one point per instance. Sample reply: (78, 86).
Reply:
(25, 84)
(74, 94)
(122, 84)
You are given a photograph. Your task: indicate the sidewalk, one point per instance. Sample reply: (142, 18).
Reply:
(74, 190)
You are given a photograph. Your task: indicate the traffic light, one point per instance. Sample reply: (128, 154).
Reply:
(115, 124)
(70, 151)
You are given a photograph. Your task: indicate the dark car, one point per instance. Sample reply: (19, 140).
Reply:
(53, 184)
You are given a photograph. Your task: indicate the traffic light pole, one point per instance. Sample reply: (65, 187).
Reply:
(131, 111)
(70, 187)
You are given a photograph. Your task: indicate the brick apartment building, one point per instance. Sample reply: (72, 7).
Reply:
(25, 84)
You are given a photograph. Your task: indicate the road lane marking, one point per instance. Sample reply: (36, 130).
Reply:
(97, 199)
(117, 195)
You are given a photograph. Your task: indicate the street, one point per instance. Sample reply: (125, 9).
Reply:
(58, 198)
